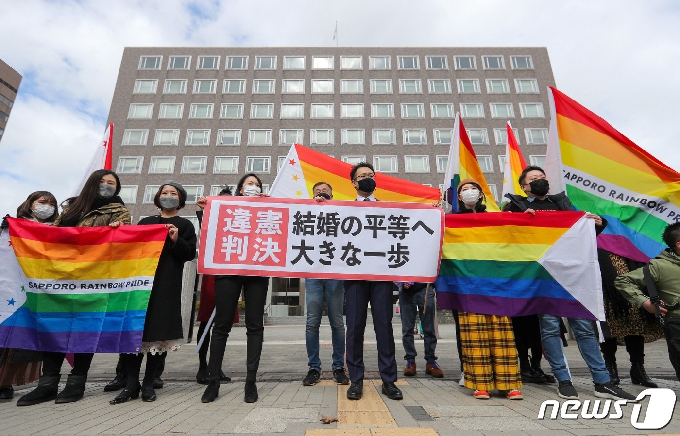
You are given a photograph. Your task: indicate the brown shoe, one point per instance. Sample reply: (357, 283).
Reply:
(410, 369)
(434, 370)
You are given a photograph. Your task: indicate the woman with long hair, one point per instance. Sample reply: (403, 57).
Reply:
(98, 204)
(163, 325)
(227, 292)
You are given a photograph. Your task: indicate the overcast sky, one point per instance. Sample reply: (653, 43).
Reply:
(618, 58)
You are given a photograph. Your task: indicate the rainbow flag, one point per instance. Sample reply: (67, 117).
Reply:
(304, 167)
(607, 174)
(462, 164)
(516, 264)
(76, 289)
(514, 164)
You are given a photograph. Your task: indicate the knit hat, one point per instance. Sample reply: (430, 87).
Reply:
(180, 189)
(467, 182)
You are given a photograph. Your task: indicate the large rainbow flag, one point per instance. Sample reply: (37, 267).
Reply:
(304, 167)
(607, 174)
(76, 289)
(516, 264)
(514, 164)
(462, 164)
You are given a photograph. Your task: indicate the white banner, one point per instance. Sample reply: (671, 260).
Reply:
(350, 240)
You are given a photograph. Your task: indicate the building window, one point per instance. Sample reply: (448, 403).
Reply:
(201, 110)
(322, 86)
(322, 62)
(352, 86)
(493, 62)
(382, 110)
(208, 63)
(205, 86)
(258, 164)
(265, 62)
(281, 162)
(293, 86)
(150, 62)
(385, 164)
(536, 136)
(497, 86)
(260, 137)
(179, 63)
(439, 86)
(229, 137)
(166, 137)
(531, 110)
(172, 111)
(414, 136)
(197, 137)
(412, 110)
(9, 102)
(352, 110)
(441, 110)
(353, 160)
(225, 165)
(292, 111)
(263, 86)
(130, 165)
(417, 164)
(262, 110)
(381, 86)
(145, 86)
(521, 63)
(293, 62)
(194, 192)
(537, 160)
(231, 111)
(465, 62)
(468, 86)
(502, 110)
(384, 136)
(194, 164)
(215, 189)
(352, 137)
(526, 86)
(139, 111)
(322, 110)
(135, 137)
(237, 62)
(175, 87)
(290, 136)
(410, 86)
(162, 165)
(501, 163)
(472, 110)
(351, 63)
(501, 136)
(478, 136)
(442, 163)
(380, 62)
(436, 63)
(494, 191)
(321, 136)
(128, 193)
(408, 62)
(234, 86)
(485, 163)
(149, 193)
(442, 136)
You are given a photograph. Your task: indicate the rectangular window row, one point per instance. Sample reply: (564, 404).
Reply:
(380, 62)
(9, 103)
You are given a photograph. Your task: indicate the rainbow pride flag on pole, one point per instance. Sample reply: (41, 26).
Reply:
(607, 174)
(514, 164)
(304, 167)
(462, 164)
(76, 289)
(516, 264)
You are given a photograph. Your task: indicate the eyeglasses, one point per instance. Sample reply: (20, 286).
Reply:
(363, 176)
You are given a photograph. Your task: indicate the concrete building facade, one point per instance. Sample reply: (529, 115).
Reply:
(10, 80)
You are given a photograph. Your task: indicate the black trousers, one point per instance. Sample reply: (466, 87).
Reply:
(227, 291)
(52, 363)
(458, 342)
(205, 346)
(672, 332)
(527, 332)
(635, 346)
(121, 367)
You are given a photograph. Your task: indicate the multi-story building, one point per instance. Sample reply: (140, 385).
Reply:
(9, 86)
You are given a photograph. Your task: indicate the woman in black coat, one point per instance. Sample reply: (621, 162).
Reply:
(163, 326)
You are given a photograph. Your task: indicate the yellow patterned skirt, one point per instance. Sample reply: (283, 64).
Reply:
(489, 353)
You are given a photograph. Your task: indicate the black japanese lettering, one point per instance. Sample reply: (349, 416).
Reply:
(327, 224)
(303, 249)
(352, 258)
(375, 223)
(348, 225)
(422, 224)
(304, 224)
(398, 255)
(398, 226)
(326, 249)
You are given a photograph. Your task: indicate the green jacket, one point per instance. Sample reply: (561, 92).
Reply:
(665, 271)
(102, 216)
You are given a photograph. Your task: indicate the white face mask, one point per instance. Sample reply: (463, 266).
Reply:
(470, 196)
(251, 190)
(43, 211)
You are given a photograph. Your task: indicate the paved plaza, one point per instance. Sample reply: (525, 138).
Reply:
(430, 406)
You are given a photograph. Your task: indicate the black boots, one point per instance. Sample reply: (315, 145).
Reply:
(46, 391)
(74, 390)
(613, 370)
(639, 376)
(211, 391)
(250, 392)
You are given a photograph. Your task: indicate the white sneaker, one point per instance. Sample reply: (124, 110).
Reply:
(462, 379)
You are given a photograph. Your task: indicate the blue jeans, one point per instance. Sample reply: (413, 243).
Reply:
(316, 290)
(409, 304)
(586, 339)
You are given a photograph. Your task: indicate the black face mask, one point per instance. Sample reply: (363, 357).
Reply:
(539, 187)
(324, 195)
(366, 185)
